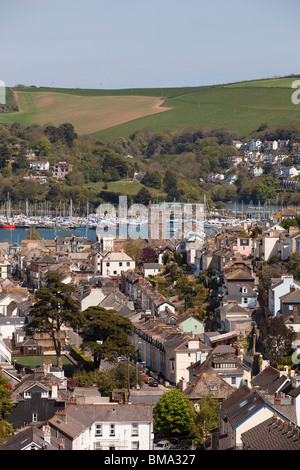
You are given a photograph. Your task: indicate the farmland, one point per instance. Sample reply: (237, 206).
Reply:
(241, 107)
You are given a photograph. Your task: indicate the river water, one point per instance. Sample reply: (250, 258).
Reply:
(15, 236)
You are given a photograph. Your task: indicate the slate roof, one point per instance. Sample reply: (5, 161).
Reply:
(292, 297)
(39, 381)
(201, 386)
(26, 437)
(80, 417)
(270, 436)
(268, 380)
(239, 275)
(220, 354)
(240, 405)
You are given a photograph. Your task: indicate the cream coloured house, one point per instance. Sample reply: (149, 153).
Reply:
(113, 264)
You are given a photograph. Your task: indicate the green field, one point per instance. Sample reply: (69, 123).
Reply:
(241, 107)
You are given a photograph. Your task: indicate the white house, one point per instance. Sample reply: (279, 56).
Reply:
(106, 242)
(254, 144)
(256, 171)
(91, 299)
(5, 352)
(9, 326)
(39, 166)
(105, 427)
(113, 264)
(279, 287)
(151, 269)
(286, 172)
(268, 244)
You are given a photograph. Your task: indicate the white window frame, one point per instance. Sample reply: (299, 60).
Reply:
(98, 429)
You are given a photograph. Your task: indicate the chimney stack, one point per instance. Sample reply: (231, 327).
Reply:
(47, 433)
(62, 415)
(54, 391)
(182, 384)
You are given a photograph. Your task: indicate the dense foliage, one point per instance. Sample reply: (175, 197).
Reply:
(175, 163)
(174, 414)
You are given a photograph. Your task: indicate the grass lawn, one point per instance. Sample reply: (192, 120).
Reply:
(33, 362)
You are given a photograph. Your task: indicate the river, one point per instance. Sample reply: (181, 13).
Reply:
(15, 236)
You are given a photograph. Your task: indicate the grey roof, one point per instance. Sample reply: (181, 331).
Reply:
(240, 405)
(39, 381)
(12, 320)
(220, 355)
(292, 297)
(201, 386)
(152, 265)
(79, 417)
(26, 437)
(268, 435)
(268, 380)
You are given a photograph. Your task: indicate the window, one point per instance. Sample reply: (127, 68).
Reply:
(112, 430)
(135, 445)
(233, 380)
(134, 429)
(243, 403)
(98, 430)
(120, 264)
(244, 300)
(27, 395)
(107, 264)
(97, 445)
(34, 417)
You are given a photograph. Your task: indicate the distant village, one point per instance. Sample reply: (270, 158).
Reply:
(255, 154)
(259, 405)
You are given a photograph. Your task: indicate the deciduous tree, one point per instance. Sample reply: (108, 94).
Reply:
(174, 414)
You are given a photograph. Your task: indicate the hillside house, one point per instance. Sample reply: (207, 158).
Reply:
(61, 169)
(39, 166)
(271, 393)
(37, 397)
(280, 287)
(180, 353)
(233, 317)
(206, 384)
(113, 264)
(110, 427)
(225, 361)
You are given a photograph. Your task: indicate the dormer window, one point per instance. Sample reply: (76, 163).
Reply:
(244, 290)
(27, 394)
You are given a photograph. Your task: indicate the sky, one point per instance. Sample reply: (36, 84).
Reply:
(119, 44)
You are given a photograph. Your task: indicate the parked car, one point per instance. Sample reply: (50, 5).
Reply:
(153, 383)
(162, 445)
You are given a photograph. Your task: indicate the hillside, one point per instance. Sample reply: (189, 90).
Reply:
(241, 107)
